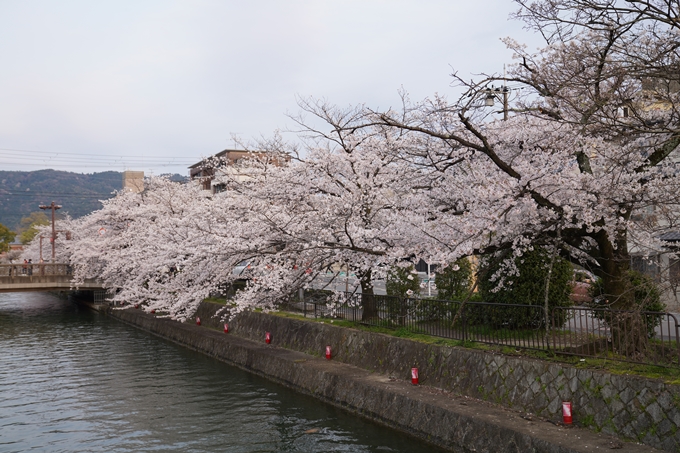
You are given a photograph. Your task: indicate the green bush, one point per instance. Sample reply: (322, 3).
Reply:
(528, 288)
(402, 282)
(646, 297)
(435, 310)
(453, 285)
(402, 285)
(455, 280)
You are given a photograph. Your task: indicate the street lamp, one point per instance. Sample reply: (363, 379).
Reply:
(501, 93)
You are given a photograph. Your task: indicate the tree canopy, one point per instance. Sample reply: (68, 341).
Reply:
(6, 238)
(29, 226)
(585, 165)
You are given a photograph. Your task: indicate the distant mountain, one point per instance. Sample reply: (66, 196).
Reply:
(21, 192)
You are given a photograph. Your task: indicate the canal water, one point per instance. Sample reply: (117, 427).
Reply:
(73, 380)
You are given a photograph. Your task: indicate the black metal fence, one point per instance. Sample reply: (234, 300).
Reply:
(631, 336)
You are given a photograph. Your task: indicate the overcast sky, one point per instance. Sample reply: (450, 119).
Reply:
(91, 86)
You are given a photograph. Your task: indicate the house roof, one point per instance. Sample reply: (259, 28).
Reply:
(220, 154)
(671, 236)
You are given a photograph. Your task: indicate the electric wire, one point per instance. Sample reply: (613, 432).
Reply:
(89, 156)
(14, 157)
(93, 196)
(87, 165)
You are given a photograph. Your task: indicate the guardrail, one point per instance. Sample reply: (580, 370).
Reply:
(26, 276)
(629, 336)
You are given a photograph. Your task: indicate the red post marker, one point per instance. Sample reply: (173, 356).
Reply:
(198, 321)
(414, 376)
(328, 352)
(566, 412)
(136, 305)
(226, 328)
(153, 311)
(267, 337)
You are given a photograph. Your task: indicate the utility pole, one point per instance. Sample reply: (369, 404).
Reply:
(53, 239)
(505, 103)
(493, 93)
(505, 96)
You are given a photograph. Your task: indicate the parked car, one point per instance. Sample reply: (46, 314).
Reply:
(580, 287)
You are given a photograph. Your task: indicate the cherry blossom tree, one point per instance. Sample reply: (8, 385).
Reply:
(145, 248)
(591, 144)
(333, 205)
(170, 246)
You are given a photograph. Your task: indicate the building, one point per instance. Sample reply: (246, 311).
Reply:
(133, 181)
(226, 162)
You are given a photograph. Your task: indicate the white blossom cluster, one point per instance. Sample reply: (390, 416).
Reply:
(436, 180)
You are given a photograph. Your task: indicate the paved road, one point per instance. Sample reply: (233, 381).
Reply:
(584, 322)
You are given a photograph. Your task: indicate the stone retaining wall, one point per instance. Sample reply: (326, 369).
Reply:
(452, 422)
(630, 407)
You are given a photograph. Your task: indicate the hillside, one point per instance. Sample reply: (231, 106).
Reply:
(21, 192)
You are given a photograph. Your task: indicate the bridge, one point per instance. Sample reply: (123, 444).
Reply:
(40, 277)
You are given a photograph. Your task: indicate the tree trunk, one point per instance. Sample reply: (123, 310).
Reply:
(627, 325)
(629, 334)
(614, 265)
(369, 306)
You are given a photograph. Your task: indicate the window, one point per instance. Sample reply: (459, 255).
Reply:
(648, 265)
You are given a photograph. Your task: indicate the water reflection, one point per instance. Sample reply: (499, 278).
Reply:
(76, 381)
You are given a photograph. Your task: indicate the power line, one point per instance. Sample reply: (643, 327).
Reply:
(86, 155)
(31, 192)
(94, 177)
(76, 197)
(114, 164)
(99, 161)
(94, 162)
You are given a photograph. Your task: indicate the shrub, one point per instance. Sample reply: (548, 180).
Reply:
(403, 282)
(646, 297)
(527, 288)
(455, 280)
(401, 285)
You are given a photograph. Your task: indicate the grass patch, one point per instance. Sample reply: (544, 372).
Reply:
(216, 300)
(505, 334)
(668, 375)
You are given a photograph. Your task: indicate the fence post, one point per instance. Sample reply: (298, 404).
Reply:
(547, 326)
(677, 340)
(464, 321)
(301, 294)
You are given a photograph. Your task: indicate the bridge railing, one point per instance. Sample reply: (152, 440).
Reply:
(35, 272)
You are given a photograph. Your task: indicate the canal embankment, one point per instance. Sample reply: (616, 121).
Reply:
(369, 375)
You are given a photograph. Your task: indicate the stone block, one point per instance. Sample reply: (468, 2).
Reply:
(574, 384)
(664, 428)
(616, 407)
(670, 444)
(555, 406)
(654, 411)
(627, 395)
(642, 423)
